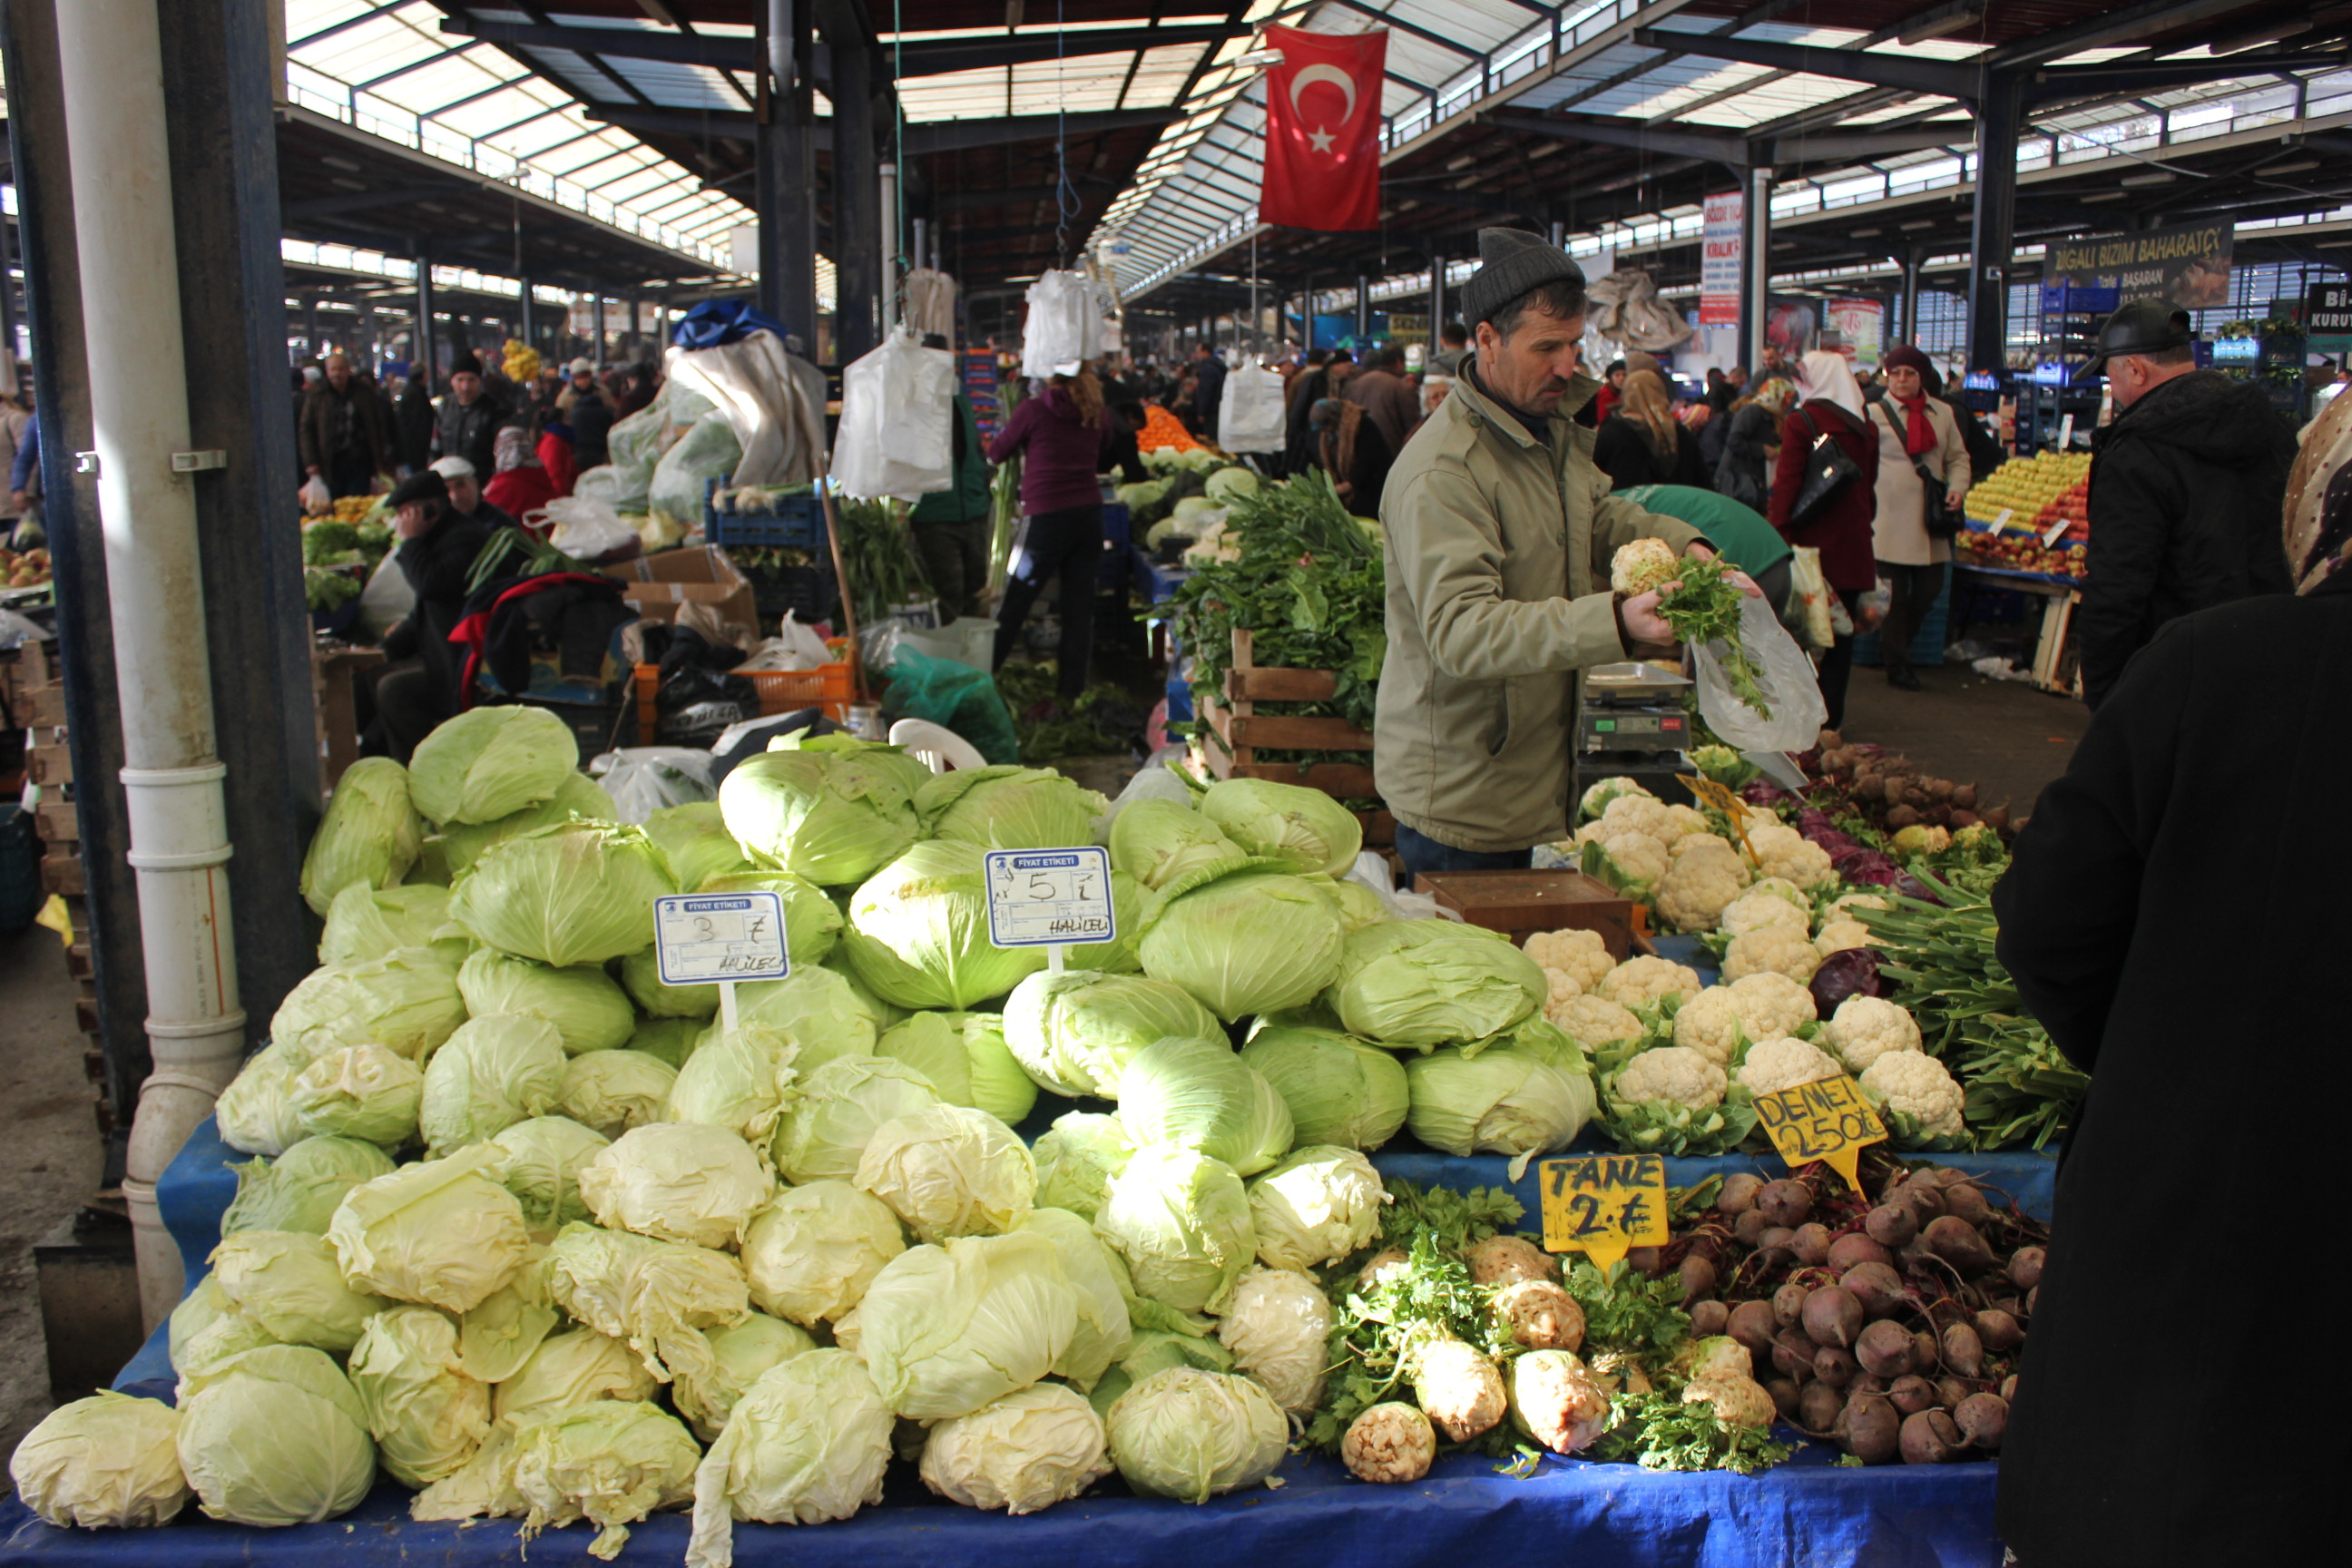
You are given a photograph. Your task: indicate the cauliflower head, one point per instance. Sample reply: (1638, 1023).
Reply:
(1710, 1023)
(1699, 883)
(1582, 957)
(1773, 950)
(1699, 839)
(1775, 1065)
(1685, 820)
(1755, 909)
(1674, 1073)
(1646, 982)
(1593, 1022)
(1865, 1028)
(1598, 796)
(1641, 814)
(1839, 935)
(1927, 1101)
(1640, 860)
(1640, 566)
(1772, 1004)
(1778, 850)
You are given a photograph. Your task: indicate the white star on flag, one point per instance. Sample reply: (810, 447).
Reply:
(1322, 139)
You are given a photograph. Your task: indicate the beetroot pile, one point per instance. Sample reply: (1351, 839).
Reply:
(1892, 1329)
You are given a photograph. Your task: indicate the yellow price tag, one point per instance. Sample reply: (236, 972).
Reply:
(1706, 792)
(1825, 1121)
(1603, 1205)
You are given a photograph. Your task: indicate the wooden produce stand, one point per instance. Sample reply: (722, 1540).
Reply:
(1521, 903)
(1236, 731)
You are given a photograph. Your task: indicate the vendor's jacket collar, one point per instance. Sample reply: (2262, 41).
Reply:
(1486, 407)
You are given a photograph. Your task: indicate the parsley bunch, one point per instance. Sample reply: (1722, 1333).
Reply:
(1704, 608)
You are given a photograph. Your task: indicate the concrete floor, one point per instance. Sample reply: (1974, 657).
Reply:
(2003, 736)
(50, 1157)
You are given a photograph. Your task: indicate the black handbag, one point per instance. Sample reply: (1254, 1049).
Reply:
(1943, 520)
(1828, 472)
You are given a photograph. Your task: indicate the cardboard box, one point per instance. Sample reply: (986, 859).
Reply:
(659, 583)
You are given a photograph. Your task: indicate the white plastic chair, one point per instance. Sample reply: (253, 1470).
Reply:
(940, 748)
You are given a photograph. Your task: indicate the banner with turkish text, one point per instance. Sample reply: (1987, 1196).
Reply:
(1323, 130)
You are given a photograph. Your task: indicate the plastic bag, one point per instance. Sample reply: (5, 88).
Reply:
(643, 779)
(386, 600)
(775, 402)
(586, 528)
(1870, 610)
(1064, 323)
(316, 499)
(1372, 870)
(1152, 781)
(708, 451)
(1783, 673)
(1809, 588)
(897, 404)
(803, 640)
(962, 699)
(1252, 418)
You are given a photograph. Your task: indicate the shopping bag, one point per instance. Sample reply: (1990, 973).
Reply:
(1252, 418)
(1784, 676)
(316, 499)
(896, 437)
(585, 527)
(1809, 591)
(386, 600)
(1063, 325)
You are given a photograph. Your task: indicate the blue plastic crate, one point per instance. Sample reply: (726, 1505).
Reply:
(797, 523)
(1927, 644)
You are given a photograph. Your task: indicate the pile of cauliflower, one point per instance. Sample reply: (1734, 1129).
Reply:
(1667, 857)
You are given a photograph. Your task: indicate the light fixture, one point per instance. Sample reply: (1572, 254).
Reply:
(1256, 60)
(2101, 196)
(345, 164)
(2153, 177)
(1917, 224)
(1867, 233)
(2292, 166)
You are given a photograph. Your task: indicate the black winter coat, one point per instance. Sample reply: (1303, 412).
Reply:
(1621, 449)
(2132, 1442)
(435, 563)
(1744, 471)
(2185, 490)
(469, 430)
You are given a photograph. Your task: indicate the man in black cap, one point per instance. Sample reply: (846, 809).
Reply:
(1498, 533)
(2187, 484)
(437, 547)
(468, 423)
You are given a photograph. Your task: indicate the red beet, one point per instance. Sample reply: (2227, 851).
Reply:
(2008, 1389)
(1811, 1242)
(1748, 1229)
(1754, 1325)
(1785, 1203)
(1873, 1429)
(1699, 1279)
(2025, 1267)
(1930, 1438)
(1738, 1193)
(1792, 1355)
(1884, 1348)
(1788, 1303)
(1982, 1418)
(1776, 1236)
(1818, 1406)
(1912, 1394)
(1644, 1260)
(1784, 1396)
(1832, 1317)
(1892, 1224)
(1998, 1331)
(1855, 1248)
(1834, 1366)
(1926, 1352)
(1876, 1285)
(1708, 1318)
(1925, 1198)
(1959, 1243)
(1962, 1200)
(1963, 1352)
(1951, 1391)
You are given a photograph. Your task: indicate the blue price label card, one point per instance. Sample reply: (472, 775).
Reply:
(1038, 898)
(704, 938)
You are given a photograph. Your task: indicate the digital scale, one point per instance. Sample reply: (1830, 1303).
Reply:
(1632, 724)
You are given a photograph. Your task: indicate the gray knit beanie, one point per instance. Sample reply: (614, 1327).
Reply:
(1513, 262)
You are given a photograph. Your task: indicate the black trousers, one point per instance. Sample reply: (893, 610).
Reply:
(350, 473)
(1837, 665)
(955, 558)
(1067, 545)
(408, 703)
(1914, 595)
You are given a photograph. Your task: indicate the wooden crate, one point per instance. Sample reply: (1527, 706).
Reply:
(1236, 731)
(40, 706)
(56, 821)
(1521, 903)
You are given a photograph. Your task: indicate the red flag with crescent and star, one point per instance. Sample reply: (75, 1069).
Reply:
(1323, 130)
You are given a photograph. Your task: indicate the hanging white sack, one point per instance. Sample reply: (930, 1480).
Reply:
(1252, 417)
(931, 303)
(895, 407)
(1064, 326)
(775, 403)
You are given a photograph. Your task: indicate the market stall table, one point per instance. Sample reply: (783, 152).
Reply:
(2060, 596)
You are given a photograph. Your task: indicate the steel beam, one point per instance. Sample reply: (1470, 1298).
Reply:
(941, 136)
(1993, 226)
(935, 57)
(1949, 79)
(1720, 147)
(2125, 77)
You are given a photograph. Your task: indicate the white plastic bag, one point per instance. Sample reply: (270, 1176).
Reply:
(1252, 417)
(775, 403)
(1784, 675)
(642, 779)
(897, 404)
(1372, 872)
(586, 528)
(316, 499)
(386, 600)
(1064, 323)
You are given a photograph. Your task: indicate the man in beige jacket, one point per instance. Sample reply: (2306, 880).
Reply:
(1498, 534)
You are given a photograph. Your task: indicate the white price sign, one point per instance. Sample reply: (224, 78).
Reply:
(711, 939)
(1049, 897)
(2067, 433)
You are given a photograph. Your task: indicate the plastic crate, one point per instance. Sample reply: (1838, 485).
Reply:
(797, 523)
(781, 691)
(806, 592)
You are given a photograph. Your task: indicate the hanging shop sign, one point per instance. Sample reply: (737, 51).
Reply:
(1861, 326)
(1720, 260)
(2327, 319)
(2187, 265)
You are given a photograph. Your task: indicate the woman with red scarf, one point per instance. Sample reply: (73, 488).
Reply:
(1919, 444)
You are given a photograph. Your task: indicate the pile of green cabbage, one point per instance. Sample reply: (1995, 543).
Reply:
(546, 1239)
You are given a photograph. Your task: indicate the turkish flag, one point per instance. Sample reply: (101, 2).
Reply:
(1323, 130)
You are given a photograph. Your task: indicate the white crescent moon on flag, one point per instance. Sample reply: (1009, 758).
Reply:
(1331, 74)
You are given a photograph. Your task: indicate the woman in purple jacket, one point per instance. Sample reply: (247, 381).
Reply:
(1066, 433)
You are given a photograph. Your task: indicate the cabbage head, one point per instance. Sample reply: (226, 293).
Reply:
(918, 932)
(811, 921)
(1251, 941)
(1097, 1281)
(611, 1462)
(1434, 983)
(694, 840)
(1156, 841)
(1010, 808)
(1315, 1208)
(834, 819)
(1278, 1328)
(589, 1011)
(965, 1056)
(947, 1329)
(672, 1040)
(290, 1284)
(911, 771)
(1181, 1220)
(573, 1368)
(498, 1070)
(1303, 828)
(371, 833)
(1026, 1451)
(359, 1091)
(1339, 1089)
(613, 1091)
(1132, 904)
(427, 1416)
(108, 1462)
(1357, 906)
(822, 1011)
(275, 1436)
(676, 1181)
(740, 1355)
(441, 1233)
(741, 1081)
(1074, 1030)
(808, 1442)
(208, 1328)
(641, 976)
(539, 1162)
(1192, 1435)
(657, 1295)
(462, 844)
(825, 1133)
(300, 1188)
(487, 763)
(580, 893)
(950, 1170)
(1506, 1099)
(256, 1111)
(1198, 1095)
(1157, 1349)
(812, 1251)
(406, 1001)
(1077, 1157)
(500, 1335)
(365, 922)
